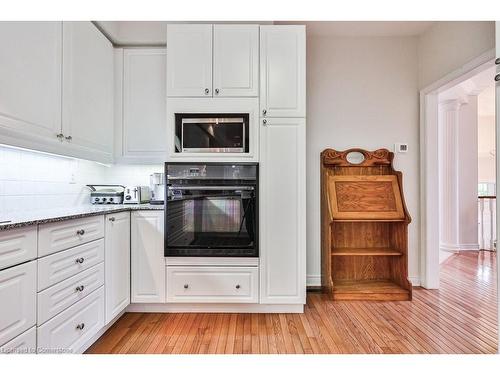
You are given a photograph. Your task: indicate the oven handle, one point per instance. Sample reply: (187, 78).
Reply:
(211, 188)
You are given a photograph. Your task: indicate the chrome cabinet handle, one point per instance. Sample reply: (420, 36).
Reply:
(186, 286)
(264, 112)
(207, 91)
(69, 138)
(80, 326)
(80, 288)
(497, 61)
(80, 260)
(80, 232)
(264, 122)
(238, 286)
(111, 219)
(497, 78)
(217, 91)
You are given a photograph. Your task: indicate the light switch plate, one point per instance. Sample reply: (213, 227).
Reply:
(401, 148)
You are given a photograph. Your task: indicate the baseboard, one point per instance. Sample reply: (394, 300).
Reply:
(449, 248)
(415, 280)
(469, 247)
(214, 308)
(459, 247)
(313, 280)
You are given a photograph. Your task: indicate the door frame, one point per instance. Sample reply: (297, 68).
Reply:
(429, 165)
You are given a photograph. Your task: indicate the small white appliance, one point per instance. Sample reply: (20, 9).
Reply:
(157, 184)
(136, 195)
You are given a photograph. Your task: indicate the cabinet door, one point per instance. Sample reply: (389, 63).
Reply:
(148, 262)
(236, 60)
(282, 211)
(87, 113)
(117, 261)
(189, 60)
(30, 82)
(283, 71)
(144, 105)
(17, 300)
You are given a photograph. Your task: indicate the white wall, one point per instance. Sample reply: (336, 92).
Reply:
(361, 92)
(486, 144)
(447, 46)
(32, 180)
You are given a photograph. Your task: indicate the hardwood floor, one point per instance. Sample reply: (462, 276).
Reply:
(461, 317)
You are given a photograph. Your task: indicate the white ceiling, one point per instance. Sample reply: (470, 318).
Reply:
(154, 32)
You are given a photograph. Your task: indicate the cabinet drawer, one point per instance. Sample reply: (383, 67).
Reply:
(25, 343)
(212, 284)
(17, 300)
(64, 294)
(59, 236)
(57, 267)
(17, 246)
(74, 326)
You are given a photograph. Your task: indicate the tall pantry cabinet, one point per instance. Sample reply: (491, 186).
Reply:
(282, 164)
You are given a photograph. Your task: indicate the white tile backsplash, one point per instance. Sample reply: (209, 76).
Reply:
(31, 180)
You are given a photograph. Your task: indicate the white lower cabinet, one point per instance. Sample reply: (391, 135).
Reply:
(57, 298)
(17, 246)
(72, 328)
(117, 260)
(282, 211)
(147, 257)
(25, 343)
(213, 284)
(17, 300)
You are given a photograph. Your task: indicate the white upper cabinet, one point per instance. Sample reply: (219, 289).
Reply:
(189, 60)
(282, 211)
(282, 71)
(236, 60)
(143, 125)
(30, 83)
(87, 113)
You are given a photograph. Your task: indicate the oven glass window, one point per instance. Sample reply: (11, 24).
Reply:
(211, 222)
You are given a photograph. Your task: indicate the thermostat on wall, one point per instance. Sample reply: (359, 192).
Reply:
(401, 147)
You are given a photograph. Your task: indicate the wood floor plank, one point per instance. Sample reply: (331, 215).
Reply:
(460, 317)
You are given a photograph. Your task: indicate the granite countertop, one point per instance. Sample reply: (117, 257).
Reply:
(34, 217)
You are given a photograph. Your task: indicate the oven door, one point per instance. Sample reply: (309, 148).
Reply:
(213, 134)
(211, 221)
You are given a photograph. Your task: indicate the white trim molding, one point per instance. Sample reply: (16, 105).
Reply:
(215, 308)
(313, 280)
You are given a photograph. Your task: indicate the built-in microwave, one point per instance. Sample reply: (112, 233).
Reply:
(208, 133)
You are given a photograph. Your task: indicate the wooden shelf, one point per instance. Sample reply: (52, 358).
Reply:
(373, 251)
(368, 290)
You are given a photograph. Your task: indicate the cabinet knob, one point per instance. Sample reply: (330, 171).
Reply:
(69, 138)
(497, 61)
(80, 260)
(264, 112)
(80, 326)
(111, 219)
(186, 286)
(207, 91)
(60, 136)
(497, 78)
(80, 288)
(238, 286)
(80, 232)
(217, 91)
(264, 122)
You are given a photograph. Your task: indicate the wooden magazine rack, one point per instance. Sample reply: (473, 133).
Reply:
(364, 229)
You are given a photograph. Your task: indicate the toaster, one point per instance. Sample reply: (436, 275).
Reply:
(136, 195)
(106, 194)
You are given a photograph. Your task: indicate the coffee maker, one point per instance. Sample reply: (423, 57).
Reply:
(157, 184)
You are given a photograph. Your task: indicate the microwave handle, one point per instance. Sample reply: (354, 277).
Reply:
(211, 188)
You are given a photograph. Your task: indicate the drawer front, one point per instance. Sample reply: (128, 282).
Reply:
(74, 326)
(59, 236)
(25, 343)
(17, 246)
(212, 284)
(64, 294)
(17, 300)
(58, 267)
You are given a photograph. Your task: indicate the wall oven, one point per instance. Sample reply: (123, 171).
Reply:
(209, 133)
(211, 210)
